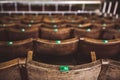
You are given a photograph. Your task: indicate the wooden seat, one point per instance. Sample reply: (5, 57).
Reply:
(54, 19)
(112, 33)
(56, 25)
(14, 69)
(26, 26)
(16, 17)
(58, 72)
(88, 30)
(57, 47)
(57, 33)
(6, 24)
(32, 19)
(102, 48)
(21, 34)
(12, 49)
(10, 70)
(73, 19)
(32, 70)
(104, 24)
(110, 70)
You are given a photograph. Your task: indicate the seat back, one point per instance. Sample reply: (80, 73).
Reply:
(102, 48)
(11, 50)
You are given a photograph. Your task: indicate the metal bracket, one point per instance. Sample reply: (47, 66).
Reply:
(105, 61)
(29, 56)
(93, 56)
(22, 62)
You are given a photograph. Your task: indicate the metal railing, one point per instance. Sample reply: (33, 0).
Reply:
(43, 4)
(103, 7)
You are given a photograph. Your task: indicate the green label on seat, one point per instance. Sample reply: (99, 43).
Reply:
(4, 25)
(23, 30)
(32, 21)
(29, 25)
(55, 30)
(105, 41)
(54, 26)
(10, 43)
(104, 25)
(58, 41)
(64, 68)
(80, 25)
(53, 21)
(88, 29)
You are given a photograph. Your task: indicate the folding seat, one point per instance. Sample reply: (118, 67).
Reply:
(109, 71)
(13, 49)
(21, 34)
(14, 69)
(26, 26)
(53, 19)
(112, 33)
(56, 33)
(10, 70)
(15, 18)
(32, 19)
(94, 19)
(42, 71)
(102, 48)
(6, 24)
(73, 19)
(87, 30)
(64, 25)
(104, 24)
(56, 47)
(81, 20)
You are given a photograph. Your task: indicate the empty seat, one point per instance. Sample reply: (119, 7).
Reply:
(54, 19)
(104, 24)
(41, 71)
(57, 47)
(110, 71)
(87, 30)
(32, 19)
(13, 49)
(26, 26)
(102, 48)
(73, 19)
(67, 25)
(10, 70)
(56, 33)
(21, 34)
(112, 33)
(16, 18)
(8, 24)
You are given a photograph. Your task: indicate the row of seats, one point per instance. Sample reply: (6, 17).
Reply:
(59, 19)
(59, 36)
(90, 31)
(74, 46)
(32, 70)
